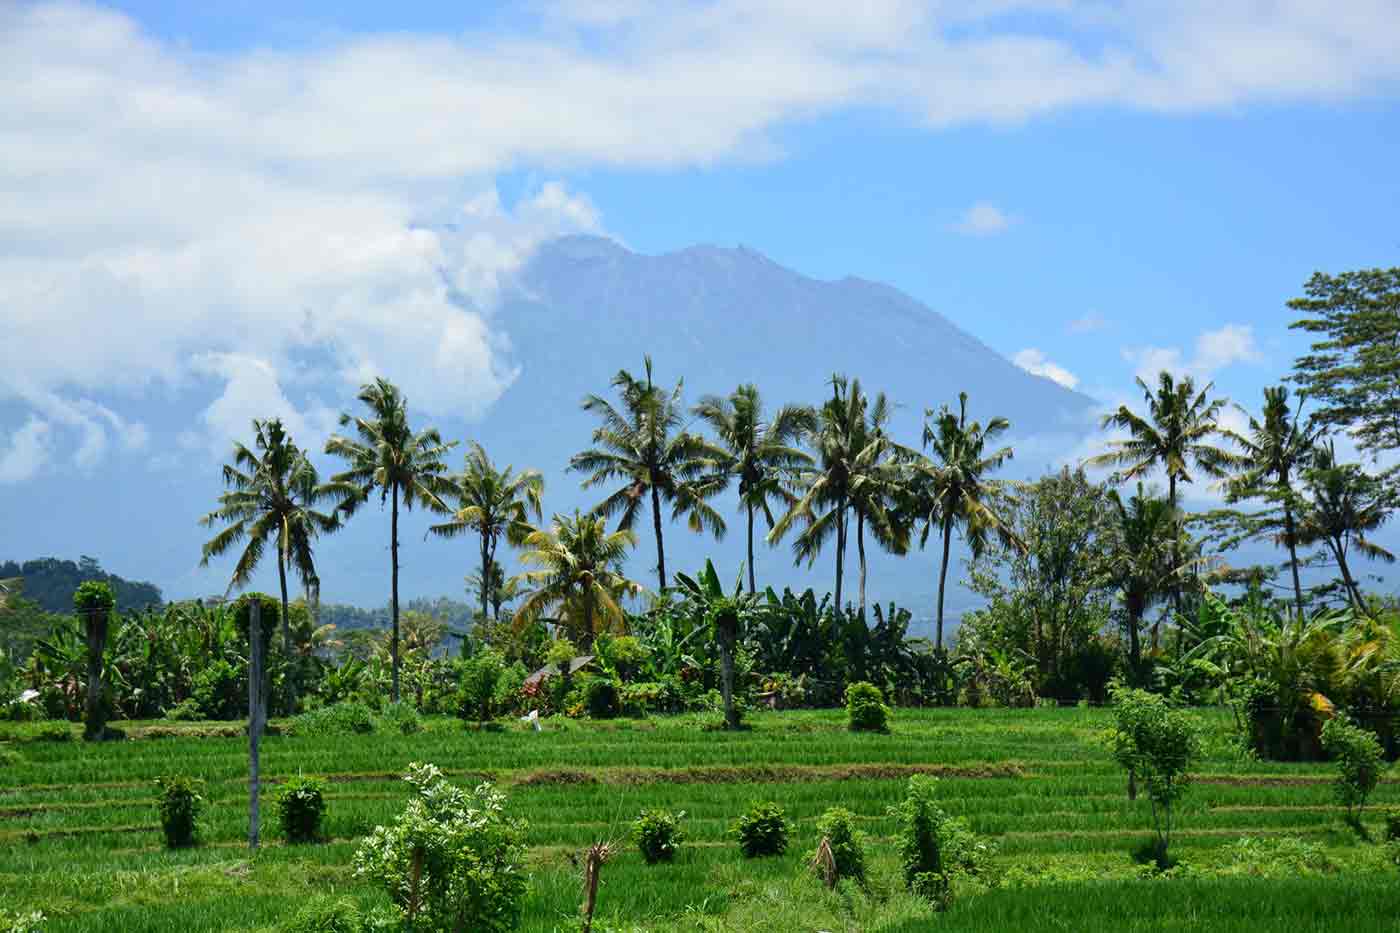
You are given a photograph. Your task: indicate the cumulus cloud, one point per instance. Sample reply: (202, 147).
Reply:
(1034, 362)
(165, 211)
(983, 219)
(24, 452)
(1214, 350)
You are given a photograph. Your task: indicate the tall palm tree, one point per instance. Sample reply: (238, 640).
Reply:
(577, 574)
(1141, 559)
(877, 483)
(644, 446)
(761, 454)
(499, 590)
(1272, 452)
(1344, 505)
(492, 503)
(1175, 435)
(273, 495)
(950, 489)
(404, 466)
(826, 486)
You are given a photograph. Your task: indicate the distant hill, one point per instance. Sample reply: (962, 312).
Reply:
(51, 582)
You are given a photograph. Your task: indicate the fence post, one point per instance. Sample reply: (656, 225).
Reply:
(256, 713)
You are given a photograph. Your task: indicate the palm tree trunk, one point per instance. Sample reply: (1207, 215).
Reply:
(394, 586)
(287, 636)
(860, 548)
(1293, 557)
(840, 547)
(943, 578)
(752, 587)
(656, 524)
(96, 725)
(1353, 591)
(726, 675)
(1176, 554)
(1134, 642)
(485, 573)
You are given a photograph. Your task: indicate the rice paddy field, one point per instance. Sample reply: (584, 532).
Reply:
(1261, 845)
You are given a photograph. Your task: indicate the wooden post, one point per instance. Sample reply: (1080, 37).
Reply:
(257, 716)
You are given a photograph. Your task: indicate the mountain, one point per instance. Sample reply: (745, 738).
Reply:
(51, 582)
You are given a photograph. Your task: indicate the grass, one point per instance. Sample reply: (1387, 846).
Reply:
(79, 838)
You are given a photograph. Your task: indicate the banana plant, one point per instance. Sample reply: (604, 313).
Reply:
(725, 616)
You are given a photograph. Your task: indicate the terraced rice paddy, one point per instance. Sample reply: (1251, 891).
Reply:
(79, 837)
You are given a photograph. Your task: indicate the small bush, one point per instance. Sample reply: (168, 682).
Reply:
(269, 612)
(187, 710)
(1358, 756)
(603, 699)
(763, 830)
(402, 718)
(837, 828)
(452, 860)
(1392, 824)
(326, 915)
(1279, 857)
(866, 709)
(935, 847)
(181, 801)
(1156, 744)
(22, 711)
(301, 805)
(352, 718)
(481, 675)
(31, 921)
(52, 731)
(220, 691)
(658, 835)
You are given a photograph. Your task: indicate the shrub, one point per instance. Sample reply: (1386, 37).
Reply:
(181, 801)
(1279, 856)
(476, 698)
(1155, 744)
(31, 921)
(220, 691)
(353, 718)
(453, 860)
(836, 829)
(301, 804)
(1358, 757)
(94, 596)
(865, 708)
(269, 611)
(934, 847)
(187, 710)
(658, 835)
(329, 915)
(52, 731)
(1392, 824)
(402, 718)
(22, 711)
(763, 830)
(603, 699)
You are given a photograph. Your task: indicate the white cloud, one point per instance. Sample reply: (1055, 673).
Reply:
(24, 452)
(1214, 350)
(1034, 362)
(160, 206)
(983, 219)
(1088, 324)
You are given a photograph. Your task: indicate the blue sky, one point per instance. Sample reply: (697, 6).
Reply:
(234, 207)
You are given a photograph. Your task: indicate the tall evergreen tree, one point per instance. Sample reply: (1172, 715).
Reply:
(404, 466)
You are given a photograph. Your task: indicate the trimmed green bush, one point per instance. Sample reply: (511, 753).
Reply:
(658, 835)
(763, 830)
(180, 804)
(352, 718)
(866, 709)
(301, 805)
(270, 611)
(1358, 755)
(837, 827)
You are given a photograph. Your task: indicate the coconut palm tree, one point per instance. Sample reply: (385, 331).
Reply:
(1140, 560)
(499, 590)
(643, 445)
(492, 503)
(761, 454)
(1344, 504)
(406, 467)
(577, 575)
(273, 496)
(839, 440)
(1272, 452)
(950, 489)
(1175, 435)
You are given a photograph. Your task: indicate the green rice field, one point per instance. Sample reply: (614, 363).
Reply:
(79, 837)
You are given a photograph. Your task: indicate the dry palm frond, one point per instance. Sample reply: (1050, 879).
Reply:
(824, 864)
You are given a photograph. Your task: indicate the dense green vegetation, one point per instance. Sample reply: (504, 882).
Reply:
(1259, 845)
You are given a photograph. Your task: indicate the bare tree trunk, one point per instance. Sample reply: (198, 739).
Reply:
(943, 578)
(257, 716)
(394, 586)
(96, 624)
(752, 588)
(660, 547)
(292, 667)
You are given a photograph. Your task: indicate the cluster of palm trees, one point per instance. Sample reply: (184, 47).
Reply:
(820, 474)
